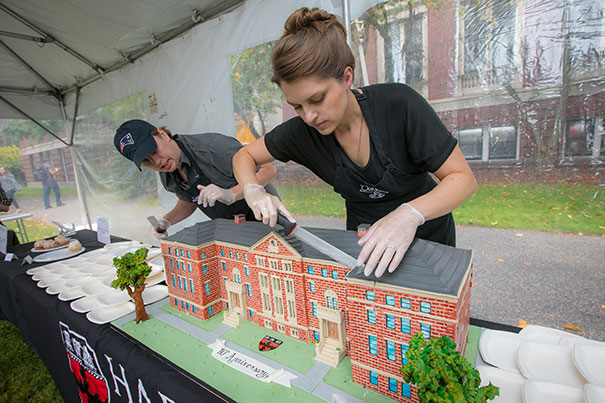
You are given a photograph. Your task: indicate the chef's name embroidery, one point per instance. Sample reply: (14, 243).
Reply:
(373, 193)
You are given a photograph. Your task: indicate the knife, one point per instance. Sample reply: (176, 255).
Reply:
(154, 222)
(291, 228)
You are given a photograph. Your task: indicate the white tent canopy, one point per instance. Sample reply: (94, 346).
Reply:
(59, 53)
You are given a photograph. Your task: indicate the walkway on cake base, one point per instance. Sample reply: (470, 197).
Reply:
(311, 381)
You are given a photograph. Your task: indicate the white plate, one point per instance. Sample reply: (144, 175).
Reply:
(510, 383)
(155, 279)
(542, 334)
(499, 348)
(43, 275)
(71, 294)
(50, 249)
(57, 255)
(47, 282)
(590, 360)
(570, 341)
(155, 293)
(91, 268)
(85, 304)
(73, 275)
(108, 280)
(549, 392)
(548, 362)
(112, 298)
(77, 282)
(95, 287)
(104, 315)
(594, 393)
(54, 289)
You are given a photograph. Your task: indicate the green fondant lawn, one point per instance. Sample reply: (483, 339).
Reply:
(208, 325)
(472, 344)
(195, 357)
(292, 353)
(341, 377)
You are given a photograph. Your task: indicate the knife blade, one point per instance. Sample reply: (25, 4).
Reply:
(316, 242)
(154, 222)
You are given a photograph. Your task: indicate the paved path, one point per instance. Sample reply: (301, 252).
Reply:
(541, 278)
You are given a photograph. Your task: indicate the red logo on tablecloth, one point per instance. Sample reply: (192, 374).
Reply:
(92, 384)
(269, 343)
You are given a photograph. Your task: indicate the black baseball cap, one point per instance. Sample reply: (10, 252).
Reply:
(134, 141)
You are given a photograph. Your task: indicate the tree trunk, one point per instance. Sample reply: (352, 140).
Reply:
(139, 305)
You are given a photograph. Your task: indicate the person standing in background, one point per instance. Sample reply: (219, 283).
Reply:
(50, 183)
(10, 185)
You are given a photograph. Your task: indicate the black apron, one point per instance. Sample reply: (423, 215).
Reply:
(366, 203)
(219, 210)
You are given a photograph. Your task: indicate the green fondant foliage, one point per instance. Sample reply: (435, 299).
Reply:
(442, 374)
(132, 270)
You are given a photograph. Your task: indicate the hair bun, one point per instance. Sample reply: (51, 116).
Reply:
(303, 18)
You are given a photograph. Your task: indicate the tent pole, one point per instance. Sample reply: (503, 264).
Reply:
(6, 101)
(75, 158)
(347, 20)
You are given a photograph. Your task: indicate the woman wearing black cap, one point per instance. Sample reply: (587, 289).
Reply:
(197, 168)
(377, 145)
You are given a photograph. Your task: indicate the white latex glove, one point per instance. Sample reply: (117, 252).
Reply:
(388, 239)
(210, 194)
(265, 206)
(162, 232)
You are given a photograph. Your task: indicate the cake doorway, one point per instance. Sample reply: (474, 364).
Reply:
(236, 298)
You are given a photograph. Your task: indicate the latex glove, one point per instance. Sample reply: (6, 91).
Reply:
(387, 240)
(265, 206)
(210, 194)
(162, 232)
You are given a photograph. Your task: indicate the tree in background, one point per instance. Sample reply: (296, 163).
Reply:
(10, 158)
(24, 132)
(132, 270)
(254, 95)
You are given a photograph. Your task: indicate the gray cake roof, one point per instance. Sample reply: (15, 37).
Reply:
(427, 266)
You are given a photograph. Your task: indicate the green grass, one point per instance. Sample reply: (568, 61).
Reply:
(38, 192)
(23, 375)
(551, 208)
(35, 229)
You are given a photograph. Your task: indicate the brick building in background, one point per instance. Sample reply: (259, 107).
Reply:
(250, 271)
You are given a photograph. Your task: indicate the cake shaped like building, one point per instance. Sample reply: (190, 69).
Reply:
(250, 271)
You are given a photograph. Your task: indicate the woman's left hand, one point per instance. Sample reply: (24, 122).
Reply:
(388, 239)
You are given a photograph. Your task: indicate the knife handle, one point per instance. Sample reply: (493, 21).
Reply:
(284, 222)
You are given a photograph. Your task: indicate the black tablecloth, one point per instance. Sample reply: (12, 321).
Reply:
(84, 358)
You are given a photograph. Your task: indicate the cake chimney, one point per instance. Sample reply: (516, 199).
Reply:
(237, 218)
(362, 229)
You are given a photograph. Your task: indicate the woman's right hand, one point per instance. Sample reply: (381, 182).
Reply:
(265, 206)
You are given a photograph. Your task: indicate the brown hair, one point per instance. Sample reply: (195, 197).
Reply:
(156, 132)
(313, 44)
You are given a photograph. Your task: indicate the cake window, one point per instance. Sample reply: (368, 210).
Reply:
(425, 328)
(405, 325)
(390, 300)
(391, 350)
(406, 391)
(405, 303)
(425, 307)
(370, 295)
(324, 272)
(311, 286)
(373, 378)
(390, 321)
(404, 349)
(310, 269)
(373, 345)
(334, 274)
(371, 316)
(393, 385)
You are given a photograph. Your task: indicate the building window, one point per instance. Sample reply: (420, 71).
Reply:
(425, 328)
(207, 287)
(281, 328)
(189, 267)
(393, 385)
(246, 257)
(287, 266)
(264, 280)
(180, 283)
(231, 254)
(205, 269)
(373, 345)
(260, 261)
(425, 307)
(405, 325)
(171, 262)
(237, 278)
(583, 138)
(371, 316)
(404, 349)
(193, 308)
(224, 266)
(390, 321)
(187, 304)
(222, 252)
(489, 143)
(249, 289)
(173, 281)
(310, 269)
(406, 391)
(176, 302)
(209, 310)
(324, 272)
(237, 255)
(389, 300)
(169, 250)
(370, 295)
(294, 333)
(251, 313)
(191, 286)
(391, 350)
(182, 253)
(291, 309)
(189, 254)
(182, 304)
(334, 303)
(405, 303)
(273, 264)
(373, 378)
(289, 287)
(314, 308)
(334, 274)
(247, 270)
(328, 302)
(203, 255)
(312, 286)
(315, 335)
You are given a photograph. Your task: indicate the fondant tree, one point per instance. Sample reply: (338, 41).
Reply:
(132, 270)
(442, 374)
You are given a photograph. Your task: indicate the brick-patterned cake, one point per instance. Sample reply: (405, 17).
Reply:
(254, 272)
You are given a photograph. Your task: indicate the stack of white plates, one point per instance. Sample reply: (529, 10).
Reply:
(86, 281)
(543, 365)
